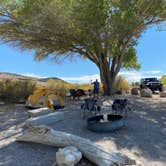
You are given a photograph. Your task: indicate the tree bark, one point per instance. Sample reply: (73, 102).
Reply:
(90, 150)
(109, 73)
(107, 79)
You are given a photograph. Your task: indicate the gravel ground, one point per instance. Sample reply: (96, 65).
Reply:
(143, 138)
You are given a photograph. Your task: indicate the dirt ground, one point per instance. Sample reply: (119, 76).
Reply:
(143, 138)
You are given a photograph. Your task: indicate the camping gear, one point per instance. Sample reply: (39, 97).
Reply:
(120, 107)
(105, 123)
(90, 105)
(76, 93)
(45, 98)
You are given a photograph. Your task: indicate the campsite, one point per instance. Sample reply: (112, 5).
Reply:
(144, 128)
(82, 82)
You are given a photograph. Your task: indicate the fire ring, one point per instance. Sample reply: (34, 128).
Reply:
(105, 123)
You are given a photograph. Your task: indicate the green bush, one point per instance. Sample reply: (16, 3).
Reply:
(15, 90)
(163, 79)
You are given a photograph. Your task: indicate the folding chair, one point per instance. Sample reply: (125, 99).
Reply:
(90, 106)
(120, 107)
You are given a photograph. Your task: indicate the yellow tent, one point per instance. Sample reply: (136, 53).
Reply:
(45, 98)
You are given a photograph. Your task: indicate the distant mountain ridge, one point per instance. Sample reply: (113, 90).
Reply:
(13, 76)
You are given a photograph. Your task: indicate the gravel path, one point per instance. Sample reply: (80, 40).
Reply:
(143, 138)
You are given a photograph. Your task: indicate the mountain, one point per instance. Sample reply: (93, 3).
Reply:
(22, 77)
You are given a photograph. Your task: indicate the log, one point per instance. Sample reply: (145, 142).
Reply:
(39, 111)
(45, 119)
(90, 150)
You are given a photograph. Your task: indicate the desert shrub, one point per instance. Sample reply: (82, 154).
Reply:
(15, 90)
(60, 86)
(163, 79)
(63, 87)
(135, 84)
(122, 85)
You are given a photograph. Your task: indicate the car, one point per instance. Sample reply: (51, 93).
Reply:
(152, 83)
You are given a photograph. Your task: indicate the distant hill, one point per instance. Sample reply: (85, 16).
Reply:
(22, 77)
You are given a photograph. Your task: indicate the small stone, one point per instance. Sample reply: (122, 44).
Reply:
(108, 103)
(135, 91)
(162, 94)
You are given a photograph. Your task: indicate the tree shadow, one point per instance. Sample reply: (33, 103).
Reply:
(27, 154)
(144, 134)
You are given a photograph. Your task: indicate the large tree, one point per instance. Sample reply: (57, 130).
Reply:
(104, 31)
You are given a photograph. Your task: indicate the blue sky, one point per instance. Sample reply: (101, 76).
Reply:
(151, 51)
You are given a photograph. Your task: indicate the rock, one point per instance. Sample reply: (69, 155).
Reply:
(146, 92)
(135, 91)
(162, 94)
(108, 103)
(68, 156)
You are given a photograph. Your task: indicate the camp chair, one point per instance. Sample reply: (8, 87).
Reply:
(120, 107)
(90, 105)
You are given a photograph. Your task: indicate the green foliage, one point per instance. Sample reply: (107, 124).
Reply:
(104, 31)
(163, 79)
(15, 90)
(130, 60)
(56, 26)
(137, 84)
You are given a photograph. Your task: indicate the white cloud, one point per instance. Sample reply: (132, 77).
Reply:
(82, 79)
(131, 76)
(153, 72)
(135, 76)
(32, 75)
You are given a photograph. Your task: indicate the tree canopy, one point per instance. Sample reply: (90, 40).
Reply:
(104, 31)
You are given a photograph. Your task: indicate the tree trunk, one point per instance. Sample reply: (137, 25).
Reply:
(108, 80)
(112, 86)
(90, 150)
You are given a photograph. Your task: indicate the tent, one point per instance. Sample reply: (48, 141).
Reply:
(45, 98)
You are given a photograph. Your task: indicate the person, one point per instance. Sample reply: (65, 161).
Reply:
(96, 85)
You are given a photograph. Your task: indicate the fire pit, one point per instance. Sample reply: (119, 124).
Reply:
(105, 123)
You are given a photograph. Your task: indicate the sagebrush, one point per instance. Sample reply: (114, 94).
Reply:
(16, 90)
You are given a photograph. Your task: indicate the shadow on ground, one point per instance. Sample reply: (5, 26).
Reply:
(143, 137)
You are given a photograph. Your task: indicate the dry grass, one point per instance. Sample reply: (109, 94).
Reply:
(15, 90)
